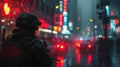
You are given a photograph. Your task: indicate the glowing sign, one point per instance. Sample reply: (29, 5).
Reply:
(6, 9)
(65, 20)
(107, 10)
(61, 6)
(65, 30)
(65, 6)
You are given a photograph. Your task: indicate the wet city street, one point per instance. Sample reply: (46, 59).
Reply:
(75, 58)
(71, 33)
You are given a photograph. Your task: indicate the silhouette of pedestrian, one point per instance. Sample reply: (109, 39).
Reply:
(35, 52)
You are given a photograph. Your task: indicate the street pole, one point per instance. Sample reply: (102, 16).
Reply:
(105, 21)
(105, 28)
(3, 40)
(3, 37)
(3, 34)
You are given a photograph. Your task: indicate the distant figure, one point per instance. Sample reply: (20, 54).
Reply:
(33, 53)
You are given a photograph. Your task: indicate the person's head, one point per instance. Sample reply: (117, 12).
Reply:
(28, 22)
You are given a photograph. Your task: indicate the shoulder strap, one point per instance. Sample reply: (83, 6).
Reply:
(32, 41)
(25, 40)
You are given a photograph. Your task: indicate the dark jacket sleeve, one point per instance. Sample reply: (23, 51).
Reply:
(41, 53)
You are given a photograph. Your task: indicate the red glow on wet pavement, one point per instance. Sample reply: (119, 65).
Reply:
(89, 58)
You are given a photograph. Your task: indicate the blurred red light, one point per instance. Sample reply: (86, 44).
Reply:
(112, 13)
(44, 23)
(61, 63)
(89, 46)
(89, 58)
(116, 21)
(78, 57)
(62, 46)
(60, 19)
(78, 45)
(58, 45)
(103, 37)
(78, 18)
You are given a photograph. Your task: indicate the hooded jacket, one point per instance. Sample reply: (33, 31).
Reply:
(38, 50)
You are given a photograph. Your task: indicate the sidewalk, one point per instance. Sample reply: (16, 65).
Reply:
(115, 59)
(115, 56)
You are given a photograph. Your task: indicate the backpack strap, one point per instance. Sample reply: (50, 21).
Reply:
(25, 40)
(33, 44)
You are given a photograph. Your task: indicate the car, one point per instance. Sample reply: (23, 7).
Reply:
(84, 45)
(61, 48)
(57, 47)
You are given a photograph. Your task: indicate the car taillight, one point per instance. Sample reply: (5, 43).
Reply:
(78, 45)
(61, 46)
(89, 46)
(58, 45)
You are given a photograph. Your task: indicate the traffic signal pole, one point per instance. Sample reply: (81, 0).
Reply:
(105, 28)
(103, 14)
(105, 22)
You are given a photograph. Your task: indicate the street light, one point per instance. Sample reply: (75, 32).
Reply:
(56, 7)
(91, 20)
(95, 26)
(3, 20)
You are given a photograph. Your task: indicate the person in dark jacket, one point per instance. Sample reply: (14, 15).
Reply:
(36, 52)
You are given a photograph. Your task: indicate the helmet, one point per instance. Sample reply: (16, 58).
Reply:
(27, 21)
